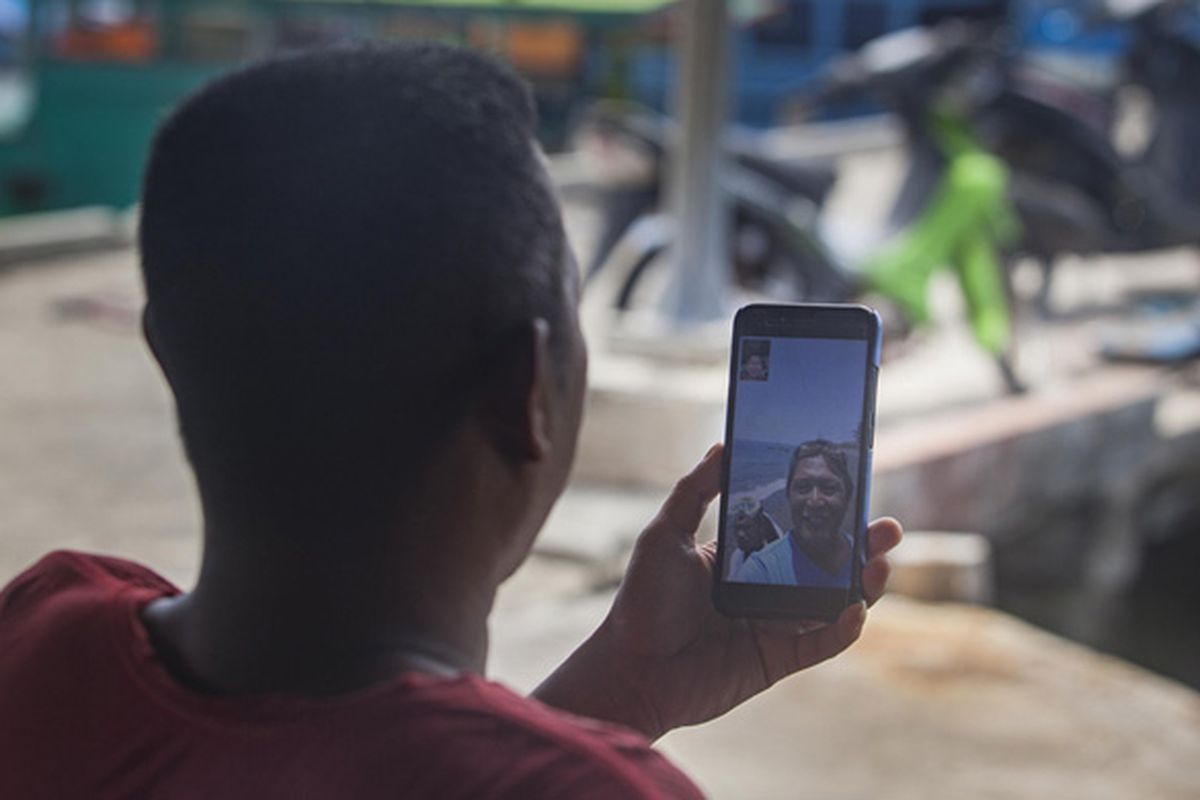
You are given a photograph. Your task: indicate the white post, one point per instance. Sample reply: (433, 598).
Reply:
(700, 265)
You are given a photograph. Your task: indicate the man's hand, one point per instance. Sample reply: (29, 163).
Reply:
(664, 657)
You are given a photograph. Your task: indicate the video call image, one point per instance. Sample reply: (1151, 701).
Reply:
(798, 411)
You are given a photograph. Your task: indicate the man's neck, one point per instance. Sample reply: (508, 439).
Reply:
(316, 607)
(312, 625)
(828, 550)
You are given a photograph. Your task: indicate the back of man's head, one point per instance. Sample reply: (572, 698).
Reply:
(331, 243)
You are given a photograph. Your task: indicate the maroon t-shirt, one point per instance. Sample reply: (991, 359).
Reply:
(87, 710)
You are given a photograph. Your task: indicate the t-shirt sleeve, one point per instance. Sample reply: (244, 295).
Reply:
(47, 576)
(65, 571)
(555, 754)
(638, 773)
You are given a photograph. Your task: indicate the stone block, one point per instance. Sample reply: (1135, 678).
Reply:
(935, 565)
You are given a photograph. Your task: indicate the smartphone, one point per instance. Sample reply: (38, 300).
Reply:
(799, 434)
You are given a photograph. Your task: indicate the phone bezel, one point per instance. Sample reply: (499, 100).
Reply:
(813, 321)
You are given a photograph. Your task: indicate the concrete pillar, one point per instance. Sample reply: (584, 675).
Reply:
(697, 291)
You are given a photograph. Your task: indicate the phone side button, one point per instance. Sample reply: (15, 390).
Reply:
(871, 408)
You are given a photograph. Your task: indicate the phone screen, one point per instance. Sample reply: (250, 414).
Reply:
(797, 441)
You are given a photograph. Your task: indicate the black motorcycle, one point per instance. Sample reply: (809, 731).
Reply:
(626, 148)
(1073, 190)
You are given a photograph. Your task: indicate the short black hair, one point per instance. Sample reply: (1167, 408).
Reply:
(310, 225)
(755, 347)
(835, 459)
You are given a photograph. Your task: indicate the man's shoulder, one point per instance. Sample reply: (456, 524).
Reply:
(780, 548)
(547, 751)
(66, 577)
(771, 564)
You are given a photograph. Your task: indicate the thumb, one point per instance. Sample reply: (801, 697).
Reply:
(683, 509)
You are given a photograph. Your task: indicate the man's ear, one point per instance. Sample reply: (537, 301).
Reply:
(516, 407)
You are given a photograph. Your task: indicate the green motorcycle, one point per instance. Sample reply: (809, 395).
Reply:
(952, 212)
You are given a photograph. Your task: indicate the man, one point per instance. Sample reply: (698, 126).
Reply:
(309, 226)
(816, 551)
(753, 529)
(754, 368)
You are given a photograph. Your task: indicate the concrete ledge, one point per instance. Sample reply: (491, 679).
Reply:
(940, 566)
(1051, 479)
(57, 233)
(634, 400)
(1010, 418)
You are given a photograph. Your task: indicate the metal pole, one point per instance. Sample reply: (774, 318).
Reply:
(700, 270)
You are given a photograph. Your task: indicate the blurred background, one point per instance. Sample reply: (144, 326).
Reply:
(1015, 185)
